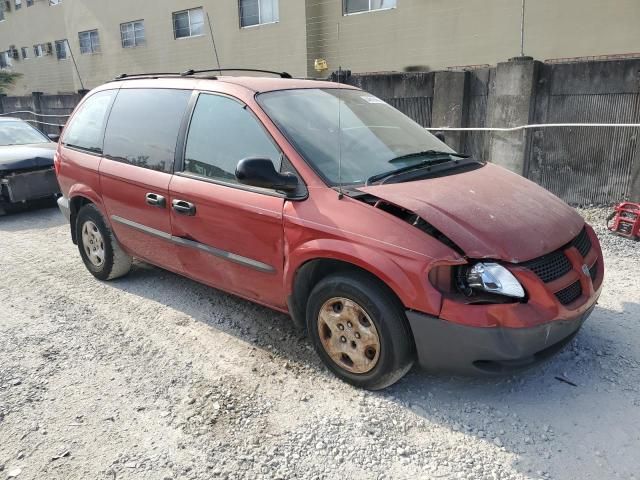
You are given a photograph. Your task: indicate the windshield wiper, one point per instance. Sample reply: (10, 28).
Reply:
(428, 153)
(416, 166)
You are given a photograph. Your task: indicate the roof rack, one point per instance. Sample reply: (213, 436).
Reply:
(280, 74)
(189, 73)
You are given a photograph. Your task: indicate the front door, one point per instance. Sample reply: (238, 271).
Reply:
(139, 148)
(229, 236)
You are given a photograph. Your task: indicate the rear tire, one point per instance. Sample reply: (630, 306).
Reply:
(359, 330)
(99, 249)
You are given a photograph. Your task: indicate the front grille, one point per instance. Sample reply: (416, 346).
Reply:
(549, 267)
(570, 293)
(593, 272)
(582, 243)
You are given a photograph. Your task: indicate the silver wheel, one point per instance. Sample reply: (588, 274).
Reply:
(348, 335)
(93, 243)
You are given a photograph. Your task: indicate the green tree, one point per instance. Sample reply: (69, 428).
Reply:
(7, 79)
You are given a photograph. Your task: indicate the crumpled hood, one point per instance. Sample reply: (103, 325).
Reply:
(489, 212)
(21, 157)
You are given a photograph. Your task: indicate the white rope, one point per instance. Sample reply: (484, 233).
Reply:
(34, 113)
(527, 127)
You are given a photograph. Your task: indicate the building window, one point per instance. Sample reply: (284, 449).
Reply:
(89, 42)
(61, 49)
(18, 4)
(188, 23)
(1, 11)
(358, 6)
(132, 34)
(5, 60)
(38, 50)
(25, 52)
(255, 12)
(55, 2)
(29, 3)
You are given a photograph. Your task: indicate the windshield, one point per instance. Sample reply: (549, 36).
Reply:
(369, 134)
(19, 133)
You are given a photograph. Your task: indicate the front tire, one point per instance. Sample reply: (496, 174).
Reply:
(99, 249)
(359, 330)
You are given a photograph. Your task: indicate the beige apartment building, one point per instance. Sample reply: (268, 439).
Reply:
(68, 45)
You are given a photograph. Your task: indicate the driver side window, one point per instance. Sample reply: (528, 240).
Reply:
(223, 132)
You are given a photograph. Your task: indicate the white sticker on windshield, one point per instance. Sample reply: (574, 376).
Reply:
(371, 99)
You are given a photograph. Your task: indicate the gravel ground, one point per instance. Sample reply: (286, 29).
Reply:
(154, 376)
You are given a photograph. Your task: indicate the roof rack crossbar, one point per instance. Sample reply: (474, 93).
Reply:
(280, 74)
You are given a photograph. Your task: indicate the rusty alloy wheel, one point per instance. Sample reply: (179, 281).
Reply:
(348, 335)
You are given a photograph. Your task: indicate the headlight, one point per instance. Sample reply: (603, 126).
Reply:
(494, 278)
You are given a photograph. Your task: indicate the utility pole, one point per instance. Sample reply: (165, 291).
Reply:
(522, 30)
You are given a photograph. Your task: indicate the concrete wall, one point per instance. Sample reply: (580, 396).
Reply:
(600, 161)
(56, 107)
(279, 46)
(442, 33)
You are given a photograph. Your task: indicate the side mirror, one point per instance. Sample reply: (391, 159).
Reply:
(54, 137)
(440, 136)
(260, 172)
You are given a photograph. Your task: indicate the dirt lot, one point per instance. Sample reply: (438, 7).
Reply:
(156, 377)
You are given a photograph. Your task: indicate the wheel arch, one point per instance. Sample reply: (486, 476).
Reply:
(311, 271)
(79, 196)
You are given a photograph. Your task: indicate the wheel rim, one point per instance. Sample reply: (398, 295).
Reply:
(348, 335)
(93, 243)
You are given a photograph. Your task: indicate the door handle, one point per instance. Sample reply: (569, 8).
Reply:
(155, 200)
(183, 207)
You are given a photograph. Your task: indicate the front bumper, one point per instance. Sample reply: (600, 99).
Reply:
(446, 346)
(63, 205)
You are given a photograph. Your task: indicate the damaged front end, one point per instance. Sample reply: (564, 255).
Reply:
(497, 314)
(24, 186)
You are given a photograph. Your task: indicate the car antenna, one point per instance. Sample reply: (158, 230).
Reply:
(340, 191)
(213, 40)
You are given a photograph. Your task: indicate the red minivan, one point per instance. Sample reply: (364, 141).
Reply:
(322, 201)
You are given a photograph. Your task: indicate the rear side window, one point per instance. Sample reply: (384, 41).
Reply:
(223, 132)
(87, 125)
(143, 127)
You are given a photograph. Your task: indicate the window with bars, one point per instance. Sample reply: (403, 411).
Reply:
(188, 23)
(38, 50)
(89, 42)
(61, 50)
(25, 53)
(256, 12)
(132, 34)
(359, 6)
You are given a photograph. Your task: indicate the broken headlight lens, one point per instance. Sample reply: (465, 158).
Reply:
(493, 278)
